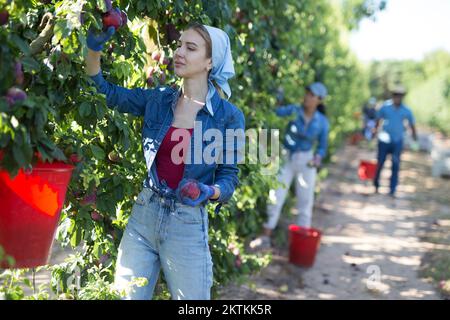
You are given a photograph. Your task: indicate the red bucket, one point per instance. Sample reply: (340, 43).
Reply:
(303, 245)
(367, 169)
(30, 208)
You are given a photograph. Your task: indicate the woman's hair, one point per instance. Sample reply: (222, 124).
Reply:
(322, 109)
(203, 32)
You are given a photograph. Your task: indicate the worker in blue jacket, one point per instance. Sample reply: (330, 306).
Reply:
(306, 142)
(168, 226)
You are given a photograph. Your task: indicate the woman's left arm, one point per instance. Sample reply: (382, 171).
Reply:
(226, 177)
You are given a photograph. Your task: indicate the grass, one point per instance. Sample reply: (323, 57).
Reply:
(436, 263)
(432, 196)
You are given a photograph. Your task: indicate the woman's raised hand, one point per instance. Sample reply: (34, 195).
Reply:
(96, 40)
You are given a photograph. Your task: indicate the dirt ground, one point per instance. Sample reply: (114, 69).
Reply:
(372, 245)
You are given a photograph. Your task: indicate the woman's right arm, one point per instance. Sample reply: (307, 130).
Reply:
(93, 62)
(126, 100)
(285, 111)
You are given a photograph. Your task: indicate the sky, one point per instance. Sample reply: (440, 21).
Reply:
(406, 29)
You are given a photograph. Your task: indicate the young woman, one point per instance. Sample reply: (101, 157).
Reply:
(309, 127)
(167, 229)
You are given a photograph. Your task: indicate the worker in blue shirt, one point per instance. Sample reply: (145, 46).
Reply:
(390, 139)
(309, 129)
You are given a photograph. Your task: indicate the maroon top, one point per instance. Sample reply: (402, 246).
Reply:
(171, 167)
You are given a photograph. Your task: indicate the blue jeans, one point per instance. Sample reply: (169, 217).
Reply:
(395, 149)
(168, 235)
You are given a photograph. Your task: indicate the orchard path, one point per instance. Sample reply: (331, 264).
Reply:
(364, 235)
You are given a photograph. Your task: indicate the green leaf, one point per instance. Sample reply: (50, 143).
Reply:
(30, 64)
(58, 154)
(101, 5)
(39, 121)
(47, 143)
(85, 109)
(10, 261)
(60, 31)
(23, 45)
(100, 111)
(98, 152)
(71, 227)
(27, 282)
(43, 151)
(118, 192)
(116, 180)
(76, 238)
(19, 155)
(90, 17)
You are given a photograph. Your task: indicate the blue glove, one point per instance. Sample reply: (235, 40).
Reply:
(206, 192)
(95, 41)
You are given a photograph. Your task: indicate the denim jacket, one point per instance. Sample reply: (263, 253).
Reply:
(157, 107)
(301, 136)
